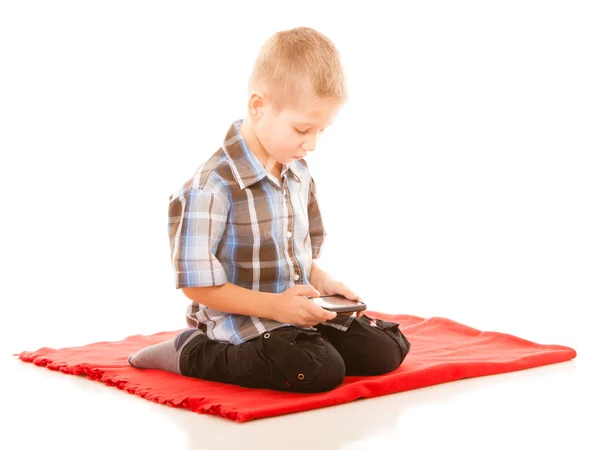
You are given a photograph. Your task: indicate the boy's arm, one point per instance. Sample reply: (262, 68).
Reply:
(315, 221)
(326, 285)
(318, 278)
(234, 299)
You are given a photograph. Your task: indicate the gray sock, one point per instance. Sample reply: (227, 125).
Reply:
(164, 355)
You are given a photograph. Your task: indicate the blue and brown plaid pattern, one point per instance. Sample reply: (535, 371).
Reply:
(234, 221)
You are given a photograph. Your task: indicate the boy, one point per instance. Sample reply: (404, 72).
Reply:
(244, 233)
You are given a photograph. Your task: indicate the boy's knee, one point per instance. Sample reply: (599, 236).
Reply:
(384, 349)
(303, 361)
(332, 371)
(386, 359)
(392, 352)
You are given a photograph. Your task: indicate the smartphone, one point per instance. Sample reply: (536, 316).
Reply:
(339, 303)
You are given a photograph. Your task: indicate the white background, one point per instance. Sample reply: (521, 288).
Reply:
(460, 180)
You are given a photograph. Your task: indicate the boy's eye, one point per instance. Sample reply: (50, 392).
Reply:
(306, 131)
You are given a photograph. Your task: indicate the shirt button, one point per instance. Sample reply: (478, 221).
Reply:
(289, 234)
(296, 276)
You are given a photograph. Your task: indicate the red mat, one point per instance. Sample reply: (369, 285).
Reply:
(441, 350)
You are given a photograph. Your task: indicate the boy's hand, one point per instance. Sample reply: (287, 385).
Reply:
(332, 286)
(293, 306)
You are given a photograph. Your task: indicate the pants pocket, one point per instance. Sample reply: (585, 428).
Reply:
(296, 357)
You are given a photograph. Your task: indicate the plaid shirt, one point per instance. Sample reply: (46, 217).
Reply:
(233, 221)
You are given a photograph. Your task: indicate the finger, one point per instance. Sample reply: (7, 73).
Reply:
(308, 319)
(307, 290)
(311, 320)
(346, 291)
(352, 295)
(328, 315)
(322, 314)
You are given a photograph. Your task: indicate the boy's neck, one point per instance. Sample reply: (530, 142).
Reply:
(247, 132)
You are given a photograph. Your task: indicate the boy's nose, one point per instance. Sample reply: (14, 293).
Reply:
(307, 147)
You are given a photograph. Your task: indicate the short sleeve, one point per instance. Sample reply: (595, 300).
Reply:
(315, 221)
(197, 221)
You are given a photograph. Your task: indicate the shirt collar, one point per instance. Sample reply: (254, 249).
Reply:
(246, 167)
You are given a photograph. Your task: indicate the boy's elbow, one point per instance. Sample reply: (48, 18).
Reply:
(188, 292)
(200, 294)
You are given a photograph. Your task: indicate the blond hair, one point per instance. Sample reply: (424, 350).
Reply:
(293, 63)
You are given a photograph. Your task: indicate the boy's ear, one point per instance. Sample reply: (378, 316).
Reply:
(256, 105)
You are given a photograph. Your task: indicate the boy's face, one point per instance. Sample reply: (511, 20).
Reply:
(292, 133)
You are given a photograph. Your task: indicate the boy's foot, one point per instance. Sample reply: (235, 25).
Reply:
(164, 355)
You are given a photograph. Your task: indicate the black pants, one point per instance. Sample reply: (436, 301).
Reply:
(298, 360)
